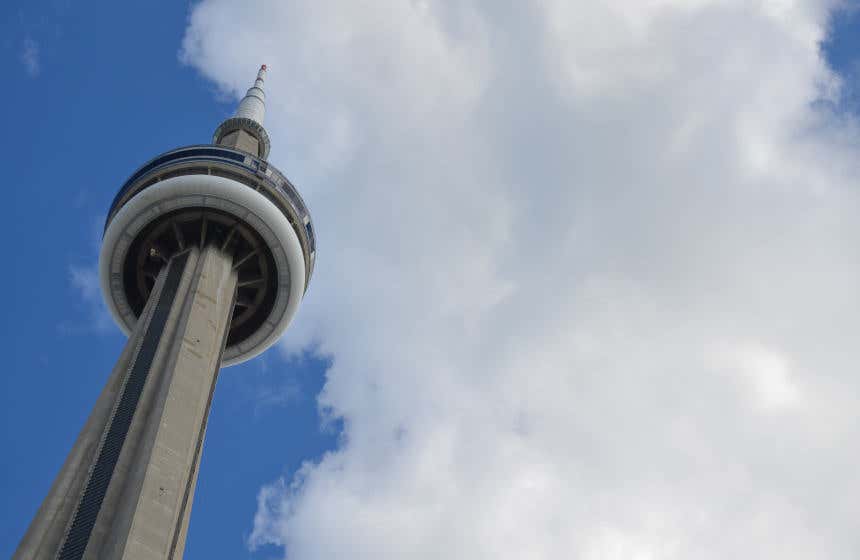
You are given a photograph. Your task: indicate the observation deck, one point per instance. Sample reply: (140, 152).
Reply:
(211, 194)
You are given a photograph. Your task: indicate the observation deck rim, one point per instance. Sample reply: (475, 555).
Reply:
(253, 171)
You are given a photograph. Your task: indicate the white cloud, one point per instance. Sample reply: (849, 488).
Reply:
(766, 374)
(30, 57)
(85, 281)
(539, 225)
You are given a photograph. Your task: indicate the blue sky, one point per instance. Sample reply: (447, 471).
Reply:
(843, 53)
(102, 93)
(93, 91)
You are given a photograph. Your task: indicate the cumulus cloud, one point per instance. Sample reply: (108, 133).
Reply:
(587, 274)
(84, 281)
(30, 57)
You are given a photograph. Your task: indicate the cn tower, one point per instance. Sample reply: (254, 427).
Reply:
(206, 255)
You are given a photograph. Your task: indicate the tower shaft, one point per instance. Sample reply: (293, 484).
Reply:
(126, 488)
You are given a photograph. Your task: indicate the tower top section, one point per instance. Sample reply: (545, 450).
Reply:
(226, 195)
(253, 105)
(244, 130)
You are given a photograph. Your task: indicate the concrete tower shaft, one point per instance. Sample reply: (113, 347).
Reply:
(126, 488)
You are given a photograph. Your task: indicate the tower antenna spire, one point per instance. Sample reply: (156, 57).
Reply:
(253, 105)
(244, 130)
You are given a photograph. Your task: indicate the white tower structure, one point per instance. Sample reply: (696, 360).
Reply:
(207, 253)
